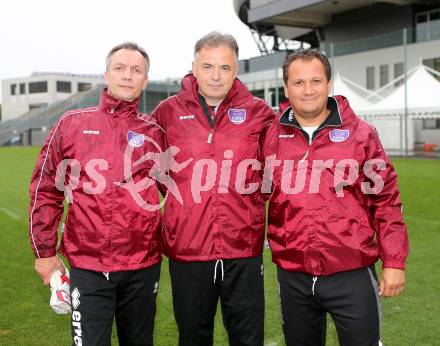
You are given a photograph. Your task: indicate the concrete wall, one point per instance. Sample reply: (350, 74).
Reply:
(265, 62)
(258, 3)
(354, 66)
(18, 104)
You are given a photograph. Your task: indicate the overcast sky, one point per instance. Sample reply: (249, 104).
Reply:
(75, 36)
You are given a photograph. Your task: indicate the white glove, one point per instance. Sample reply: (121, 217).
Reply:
(60, 288)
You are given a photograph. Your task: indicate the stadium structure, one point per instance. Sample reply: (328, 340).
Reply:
(31, 105)
(372, 45)
(40, 89)
(385, 56)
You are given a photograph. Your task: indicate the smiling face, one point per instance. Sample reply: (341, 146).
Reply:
(215, 69)
(126, 74)
(307, 89)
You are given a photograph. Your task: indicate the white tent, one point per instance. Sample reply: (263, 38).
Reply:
(423, 102)
(341, 87)
(423, 96)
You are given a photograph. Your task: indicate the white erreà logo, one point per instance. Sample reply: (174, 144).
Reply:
(186, 117)
(77, 330)
(286, 136)
(75, 298)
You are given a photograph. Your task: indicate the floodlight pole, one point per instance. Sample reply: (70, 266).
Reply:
(405, 65)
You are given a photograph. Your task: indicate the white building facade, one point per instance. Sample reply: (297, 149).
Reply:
(20, 95)
(369, 43)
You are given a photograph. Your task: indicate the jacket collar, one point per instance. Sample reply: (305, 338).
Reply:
(117, 107)
(237, 94)
(288, 118)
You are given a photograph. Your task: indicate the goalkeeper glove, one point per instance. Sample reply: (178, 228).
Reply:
(60, 288)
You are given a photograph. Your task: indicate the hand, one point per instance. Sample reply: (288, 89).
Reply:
(392, 282)
(46, 266)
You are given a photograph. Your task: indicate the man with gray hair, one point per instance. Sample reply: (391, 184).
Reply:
(214, 238)
(111, 242)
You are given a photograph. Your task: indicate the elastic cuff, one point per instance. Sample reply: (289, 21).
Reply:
(44, 253)
(393, 264)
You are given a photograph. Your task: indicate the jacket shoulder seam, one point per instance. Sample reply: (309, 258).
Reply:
(263, 101)
(152, 123)
(163, 101)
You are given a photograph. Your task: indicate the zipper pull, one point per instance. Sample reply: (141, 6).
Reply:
(209, 138)
(305, 156)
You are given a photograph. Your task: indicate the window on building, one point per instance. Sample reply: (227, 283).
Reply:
(84, 86)
(428, 25)
(64, 87)
(370, 78)
(434, 64)
(281, 96)
(37, 87)
(22, 88)
(398, 71)
(384, 75)
(422, 18)
(434, 25)
(258, 93)
(37, 105)
(13, 89)
(434, 15)
(431, 124)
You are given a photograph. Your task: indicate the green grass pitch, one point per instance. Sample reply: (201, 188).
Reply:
(27, 319)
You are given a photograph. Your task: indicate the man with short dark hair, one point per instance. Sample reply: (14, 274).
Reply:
(95, 158)
(334, 211)
(214, 234)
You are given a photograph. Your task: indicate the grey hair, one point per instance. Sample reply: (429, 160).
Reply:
(131, 46)
(216, 39)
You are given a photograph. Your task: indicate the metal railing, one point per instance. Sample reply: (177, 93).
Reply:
(421, 33)
(45, 117)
